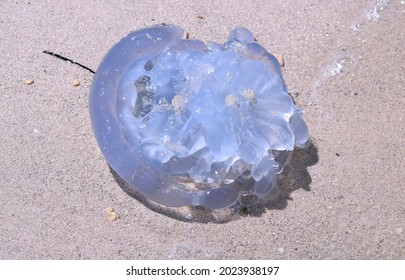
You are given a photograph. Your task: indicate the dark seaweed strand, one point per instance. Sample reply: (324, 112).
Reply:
(67, 59)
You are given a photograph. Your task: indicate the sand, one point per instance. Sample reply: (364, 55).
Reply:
(344, 65)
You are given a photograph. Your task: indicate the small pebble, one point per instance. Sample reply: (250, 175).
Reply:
(112, 216)
(281, 250)
(76, 83)
(29, 82)
(280, 60)
(189, 217)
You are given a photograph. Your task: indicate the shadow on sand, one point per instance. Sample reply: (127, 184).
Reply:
(294, 176)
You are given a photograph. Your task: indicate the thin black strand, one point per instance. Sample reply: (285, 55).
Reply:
(67, 59)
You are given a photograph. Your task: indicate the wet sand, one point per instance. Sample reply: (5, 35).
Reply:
(343, 66)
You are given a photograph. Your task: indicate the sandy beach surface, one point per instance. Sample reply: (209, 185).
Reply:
(344, 66)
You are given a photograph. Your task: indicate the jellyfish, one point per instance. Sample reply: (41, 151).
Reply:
(185, 122)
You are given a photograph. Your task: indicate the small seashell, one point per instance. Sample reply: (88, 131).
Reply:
(29, 82)
(280, 60)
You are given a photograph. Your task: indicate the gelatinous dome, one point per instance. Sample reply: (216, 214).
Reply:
(188, 123)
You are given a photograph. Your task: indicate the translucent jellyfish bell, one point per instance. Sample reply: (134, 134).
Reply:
(186, 123)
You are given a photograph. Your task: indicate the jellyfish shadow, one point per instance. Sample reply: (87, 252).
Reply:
(294, 176)
(185, 214)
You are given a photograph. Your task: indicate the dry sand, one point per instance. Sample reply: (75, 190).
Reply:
(344, 66)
